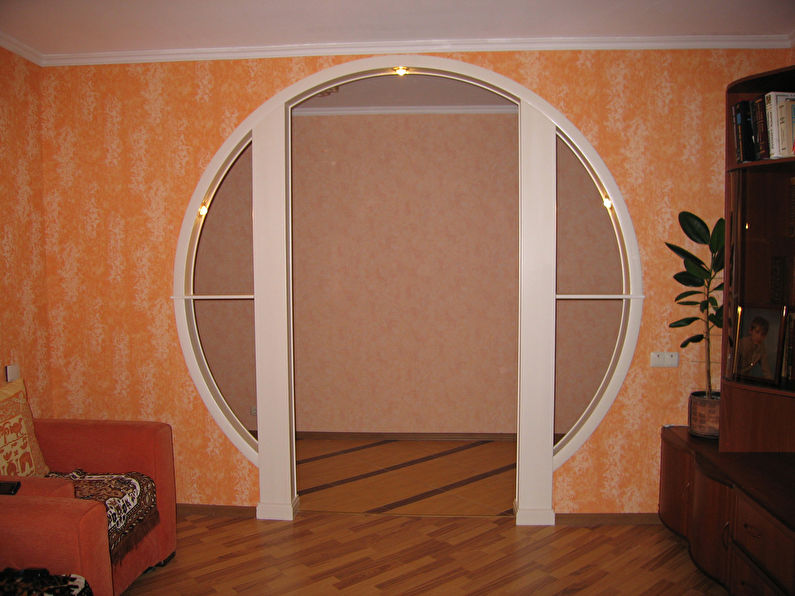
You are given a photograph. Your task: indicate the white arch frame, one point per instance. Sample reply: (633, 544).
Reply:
(268, 129)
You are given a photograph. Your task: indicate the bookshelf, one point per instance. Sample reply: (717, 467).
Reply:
(758, 383)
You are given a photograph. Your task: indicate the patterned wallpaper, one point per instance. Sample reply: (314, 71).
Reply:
(405, 272)
(98, 163)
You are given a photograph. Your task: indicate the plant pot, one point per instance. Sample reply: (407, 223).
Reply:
(703, 414)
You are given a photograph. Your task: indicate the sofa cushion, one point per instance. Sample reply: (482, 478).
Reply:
(130, 501)
(20, 454)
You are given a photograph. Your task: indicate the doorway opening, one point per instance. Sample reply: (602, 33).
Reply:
(540, 130)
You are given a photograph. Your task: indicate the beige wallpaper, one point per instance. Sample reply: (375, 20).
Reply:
(405, 240)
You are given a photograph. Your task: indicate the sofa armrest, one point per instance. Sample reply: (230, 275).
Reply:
(115, 446)
(65, 536)
(33, 486)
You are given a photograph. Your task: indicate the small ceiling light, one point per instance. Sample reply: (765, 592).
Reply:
(203, 210)
(401, 70)
(607, 202)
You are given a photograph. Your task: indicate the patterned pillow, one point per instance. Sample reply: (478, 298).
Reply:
(20, 454)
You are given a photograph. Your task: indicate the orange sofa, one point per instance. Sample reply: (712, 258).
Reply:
(43, 525)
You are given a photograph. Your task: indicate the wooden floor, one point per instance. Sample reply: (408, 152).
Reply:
(406, 477)
(432, 518)
(330, 553)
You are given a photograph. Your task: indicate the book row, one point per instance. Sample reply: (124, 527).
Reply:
(764, 127)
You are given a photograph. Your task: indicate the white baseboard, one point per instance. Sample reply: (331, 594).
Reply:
(535, 517)
(277, 511)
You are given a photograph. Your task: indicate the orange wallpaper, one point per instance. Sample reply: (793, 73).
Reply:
(98, 165)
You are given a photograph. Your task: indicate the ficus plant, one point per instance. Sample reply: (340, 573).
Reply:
(700, 276)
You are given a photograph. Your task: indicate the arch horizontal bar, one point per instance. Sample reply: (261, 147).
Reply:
(215, 297)
(599, 296)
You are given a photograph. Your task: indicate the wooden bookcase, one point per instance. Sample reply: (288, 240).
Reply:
(758, 414)
(732, 499)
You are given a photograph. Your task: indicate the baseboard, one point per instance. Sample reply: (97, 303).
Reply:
(216, 510)
(534, 517)
(606, 519)
(561, 519)
(317, 435)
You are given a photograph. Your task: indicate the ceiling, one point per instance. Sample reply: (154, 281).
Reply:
(58, 32)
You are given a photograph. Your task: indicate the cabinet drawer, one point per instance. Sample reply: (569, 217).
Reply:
(747, 579)
(768, 542)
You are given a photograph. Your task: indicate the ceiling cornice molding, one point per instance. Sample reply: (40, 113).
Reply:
(20, 49)
(404, 110)
(403, 47)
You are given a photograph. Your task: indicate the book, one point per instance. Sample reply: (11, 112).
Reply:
(791, 104)
(772, 100)
(743, 134)
(759, 128)
(785, 127)
(789, 223)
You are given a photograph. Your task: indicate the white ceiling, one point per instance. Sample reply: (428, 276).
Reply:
(54, 32)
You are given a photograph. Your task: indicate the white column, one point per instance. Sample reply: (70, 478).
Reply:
(537, 251)
(277, 494)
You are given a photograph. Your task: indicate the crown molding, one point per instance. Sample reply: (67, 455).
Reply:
(409, 110)
(403, 47)
(20, 49)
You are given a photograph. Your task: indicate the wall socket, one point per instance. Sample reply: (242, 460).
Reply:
(12, 372)
(665, 359)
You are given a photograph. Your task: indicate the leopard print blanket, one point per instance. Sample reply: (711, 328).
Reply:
(29, 582)
(130, 501)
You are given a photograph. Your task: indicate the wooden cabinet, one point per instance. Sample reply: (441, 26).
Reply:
(758, 407)
(709, 521)
(675, 482)
(765, 541)
(736, 510)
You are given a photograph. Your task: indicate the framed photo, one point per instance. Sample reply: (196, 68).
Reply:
(758, 345)
(788, 353)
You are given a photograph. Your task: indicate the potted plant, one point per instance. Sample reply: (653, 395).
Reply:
(700, 276)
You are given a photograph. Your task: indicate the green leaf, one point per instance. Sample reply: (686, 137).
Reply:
(718, 260)
(693, 339)
(688, 302)
(684, 322)
(687, 294)
(688, 279)
(716, 318)
(699, 270)
(718, 288)
(685, 254)
(717, 239)
(704, 305)
(694, 227)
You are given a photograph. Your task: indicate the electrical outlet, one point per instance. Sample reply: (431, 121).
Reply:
(665, 359)
(12, 372)
(253, 410)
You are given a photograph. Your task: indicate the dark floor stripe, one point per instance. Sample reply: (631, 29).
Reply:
(343, 451)
(392, 468)
(443, 489)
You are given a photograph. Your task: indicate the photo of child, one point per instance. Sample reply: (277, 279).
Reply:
(752, 358)
(758, 344)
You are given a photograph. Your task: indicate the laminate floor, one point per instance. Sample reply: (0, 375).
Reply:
(364, 554)
(406, 477)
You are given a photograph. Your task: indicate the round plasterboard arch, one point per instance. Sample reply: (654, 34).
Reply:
(267, 127)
